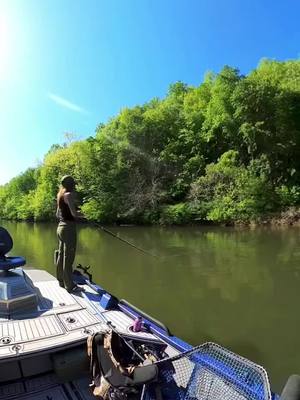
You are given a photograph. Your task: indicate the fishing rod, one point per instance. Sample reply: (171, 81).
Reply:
(97, 225)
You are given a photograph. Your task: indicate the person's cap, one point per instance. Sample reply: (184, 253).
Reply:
(67, 180)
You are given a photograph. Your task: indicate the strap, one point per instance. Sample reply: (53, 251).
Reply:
(107, 345)
(94, 364)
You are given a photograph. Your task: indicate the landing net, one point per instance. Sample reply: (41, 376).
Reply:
(210, 372)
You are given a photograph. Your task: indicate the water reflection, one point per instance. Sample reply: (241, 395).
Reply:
(237, 287)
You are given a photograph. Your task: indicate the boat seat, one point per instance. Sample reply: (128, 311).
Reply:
(7, 263)
(6, 244)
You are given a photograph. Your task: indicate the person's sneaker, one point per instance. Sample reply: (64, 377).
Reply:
(76, 289)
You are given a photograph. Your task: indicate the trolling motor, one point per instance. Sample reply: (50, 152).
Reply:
(16, 293)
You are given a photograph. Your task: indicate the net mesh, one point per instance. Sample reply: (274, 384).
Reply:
(210, 372)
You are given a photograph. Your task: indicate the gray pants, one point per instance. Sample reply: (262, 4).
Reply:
(66, 233)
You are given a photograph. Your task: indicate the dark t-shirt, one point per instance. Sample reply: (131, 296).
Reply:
(64, 212)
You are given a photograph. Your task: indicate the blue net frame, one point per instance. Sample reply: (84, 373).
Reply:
(209, 372)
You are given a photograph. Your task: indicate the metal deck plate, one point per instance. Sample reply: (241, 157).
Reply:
(78, 319)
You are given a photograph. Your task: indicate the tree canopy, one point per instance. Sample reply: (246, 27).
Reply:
(225, 151)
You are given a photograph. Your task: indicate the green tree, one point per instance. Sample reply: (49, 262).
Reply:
(227, 150)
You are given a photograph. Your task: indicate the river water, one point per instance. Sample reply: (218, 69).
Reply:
(237, 287)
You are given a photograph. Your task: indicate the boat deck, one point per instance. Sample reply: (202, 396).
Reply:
(61, 319)
(30, 342)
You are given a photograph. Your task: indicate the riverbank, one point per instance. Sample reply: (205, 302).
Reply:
(287, 217)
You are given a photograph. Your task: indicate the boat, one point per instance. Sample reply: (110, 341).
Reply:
(43, 346)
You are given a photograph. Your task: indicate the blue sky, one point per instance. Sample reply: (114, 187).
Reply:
(67, 65)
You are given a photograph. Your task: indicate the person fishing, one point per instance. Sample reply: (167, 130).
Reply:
(67, 215)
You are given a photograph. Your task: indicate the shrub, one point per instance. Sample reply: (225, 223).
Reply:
(288, 196)
(231, 192)
(177, 214)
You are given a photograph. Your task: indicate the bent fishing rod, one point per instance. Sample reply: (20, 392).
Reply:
(99, 226)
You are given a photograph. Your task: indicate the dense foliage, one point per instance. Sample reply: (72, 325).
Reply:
(228, 150)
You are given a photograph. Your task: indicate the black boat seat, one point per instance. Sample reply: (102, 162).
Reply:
(6, 244)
